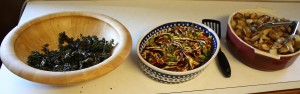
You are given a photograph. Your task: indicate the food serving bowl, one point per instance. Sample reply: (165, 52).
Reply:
(32, 35)
(252, 56)
(174, 77)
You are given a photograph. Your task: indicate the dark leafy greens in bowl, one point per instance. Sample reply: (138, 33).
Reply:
(72, 54)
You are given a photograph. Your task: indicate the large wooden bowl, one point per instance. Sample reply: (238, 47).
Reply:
(18, 44)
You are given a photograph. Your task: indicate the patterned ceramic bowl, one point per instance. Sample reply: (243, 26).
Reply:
(172, 77)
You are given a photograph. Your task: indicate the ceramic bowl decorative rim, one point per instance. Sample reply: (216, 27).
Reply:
(120, 52)
(152, 31)
(257, 51)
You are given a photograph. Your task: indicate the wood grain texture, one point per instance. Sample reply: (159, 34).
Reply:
(24, 38)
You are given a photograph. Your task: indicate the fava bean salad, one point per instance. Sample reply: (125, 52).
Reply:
(170, 50)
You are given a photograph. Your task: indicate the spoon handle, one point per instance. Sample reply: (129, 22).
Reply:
(224, 64)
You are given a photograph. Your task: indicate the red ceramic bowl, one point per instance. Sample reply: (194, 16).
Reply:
(253, 57)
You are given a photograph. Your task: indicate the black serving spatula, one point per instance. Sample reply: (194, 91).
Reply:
(222, 60)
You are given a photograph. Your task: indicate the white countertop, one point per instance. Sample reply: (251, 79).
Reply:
(141, 16)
